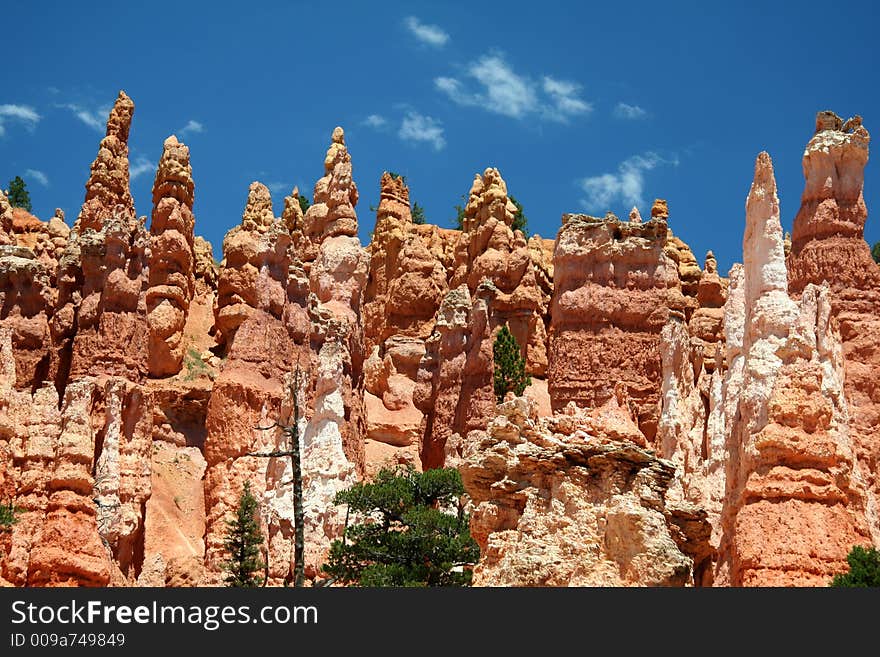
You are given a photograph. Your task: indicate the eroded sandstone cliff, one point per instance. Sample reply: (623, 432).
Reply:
(682, 428)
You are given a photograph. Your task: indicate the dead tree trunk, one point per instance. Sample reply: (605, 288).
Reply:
(291, 449)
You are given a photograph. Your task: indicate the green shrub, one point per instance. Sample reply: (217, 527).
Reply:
(864, 569)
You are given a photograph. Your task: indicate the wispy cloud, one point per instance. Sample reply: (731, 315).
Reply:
(375, 121)
(191, 127)
(140, 166)
(631, 112)
(21, 113)
(95, 118)
(432, 35)
(418, 127)
(565, 99)
(627, 184)
(279, 187)
(37, 175)
(501, 90)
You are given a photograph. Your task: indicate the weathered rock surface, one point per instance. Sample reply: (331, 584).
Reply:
(828, 246)
(275, 317)
(172, 259)
(100, 311)
(455, 390)
(795, 500)
(681, 428)
(556, 505)
(489, 249)
(615, 287)
(265, 333)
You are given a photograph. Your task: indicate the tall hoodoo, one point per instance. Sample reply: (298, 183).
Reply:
(172, 259)
(489, 249)
(337, 278)
(101, 274)
(256, 260)
(107, 190)
(261, 316)
(282, 305)
(828, 246)
(795, 498)
(406, 283)
(827, 236)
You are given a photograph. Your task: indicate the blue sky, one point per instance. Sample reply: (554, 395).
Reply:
(582, 106)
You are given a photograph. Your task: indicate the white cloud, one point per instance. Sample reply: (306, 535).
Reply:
(191, 126)
(375, 121)
(633, 112)
(140, 166)
(627, 184)
(23, 113)
(418, 127)
(565, 99)
(94, 118)
(432, 35)
(503, 91)
(38, 175)
(279, 187)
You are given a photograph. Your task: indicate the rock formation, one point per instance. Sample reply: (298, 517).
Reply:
(558, 505)
(275, 317)
(455, 390)
(171, 262)
(262, 347)
(795, 500)
(406, 284)
(101, 274)
(681, 428)
(828, 246)
(489, 249)
(614, 288)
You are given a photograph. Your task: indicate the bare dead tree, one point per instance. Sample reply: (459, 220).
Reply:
(291, 449)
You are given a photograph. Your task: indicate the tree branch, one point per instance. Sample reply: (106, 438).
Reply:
(271, 426)
(275, 454)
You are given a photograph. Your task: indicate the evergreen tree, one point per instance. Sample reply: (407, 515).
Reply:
(864, 569)
(407, 538)
(519, 219)
(418, 214)
(7, 516)
(304, 203)
(875, 252)
(18, 194)
(459, 213)
(243, 542)
(510, 366)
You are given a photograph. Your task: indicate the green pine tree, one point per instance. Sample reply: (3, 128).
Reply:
(243, 542)
(510, 366)
(418, 214)
(459, 213)
(304, 203)
(18, 194)
(875, 252)
(407, 537)
(8, 517)
(864, 569)
(519, 219)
